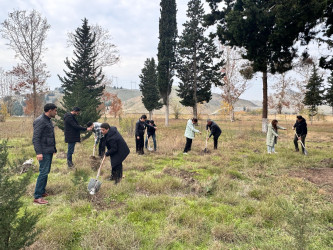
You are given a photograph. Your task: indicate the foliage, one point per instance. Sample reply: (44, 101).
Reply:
(177, 108)
(195, 65)
(17, 227)
(115, 106)
(29, 104)
(148, 86)
(327, 61)
(82, 84)
(329, 91)
(3, 111)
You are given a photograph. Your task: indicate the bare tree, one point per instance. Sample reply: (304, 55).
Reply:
(106, 52)
(235, 77)
(26, 33)
(5, 84)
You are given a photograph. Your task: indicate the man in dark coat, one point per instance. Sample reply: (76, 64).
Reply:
(117, 150)
(72, 133)
(301, 132)
(140, 127)
(151, 129)
(45, 146)
(215, 131)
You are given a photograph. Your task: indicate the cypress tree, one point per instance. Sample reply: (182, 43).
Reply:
(166, 51)
(149, 88)
(314, 92)
(195, 54)
(82, 83)
(17, 225)
(329, 92)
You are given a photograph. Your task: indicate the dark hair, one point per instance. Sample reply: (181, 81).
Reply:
(274, 122)
(49, 106)
(299, 117)
(143, 117)
(105, 125)
(151, 121)
(89, 124)
(195, 120)
(77, 109)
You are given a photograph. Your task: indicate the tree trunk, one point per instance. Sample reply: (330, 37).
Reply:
(167, 112)
(264, 102)
(150, 114)
(232, 114)
(195, 98)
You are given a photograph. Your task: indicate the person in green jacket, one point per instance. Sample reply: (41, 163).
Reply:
(189, 134)
(272, 135)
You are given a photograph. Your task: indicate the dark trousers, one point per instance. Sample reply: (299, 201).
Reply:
(188, 145)
(140, 143)
(117, 172)
(296, 142)
(44, 170)
(70, 151)
(154, 140)
(216, 138)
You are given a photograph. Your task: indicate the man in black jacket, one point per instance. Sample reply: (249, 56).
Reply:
(140, 127)
(72, 133)
(301, 132)
(45, 146)
(215, 131)
(117, 150)
(151, 129)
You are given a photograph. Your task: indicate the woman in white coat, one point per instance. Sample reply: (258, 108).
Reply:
(189, 133)
(272, 135)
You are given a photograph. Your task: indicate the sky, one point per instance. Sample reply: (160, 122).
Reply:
(133, 25)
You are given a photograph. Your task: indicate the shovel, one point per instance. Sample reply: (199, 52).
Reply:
(305, 151)
(206, 150)
(94, 184)
(148, 145)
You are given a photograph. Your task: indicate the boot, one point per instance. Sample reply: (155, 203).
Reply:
(70, 164)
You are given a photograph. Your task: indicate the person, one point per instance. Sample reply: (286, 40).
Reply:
(301, 132)
(151, 128)
(140, 127)
(45, 146)
(190, 133)
(117, 150)
(72, 133)
(272, 136)
(215, 131)
(96, 128)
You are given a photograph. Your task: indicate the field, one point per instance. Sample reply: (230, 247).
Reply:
(236, 197)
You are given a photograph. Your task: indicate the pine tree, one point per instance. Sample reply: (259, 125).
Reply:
(314, 92)
(195, 54)
(329, 92)
(82, 84)
(17, 225)
(149, 88)
(166, 51)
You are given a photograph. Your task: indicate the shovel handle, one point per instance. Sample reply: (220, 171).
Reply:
(99, 169)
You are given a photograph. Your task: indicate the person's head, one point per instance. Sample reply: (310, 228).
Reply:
(299, 118)
(274, 123)
(50, 110)
(90, 124)
(209, 121)
(194, 120)
(105, 128)
(151, 122)
(76, 111)
(143, 118)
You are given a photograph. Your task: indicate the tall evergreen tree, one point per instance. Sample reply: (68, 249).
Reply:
(329, 92)
(82, 84)
(195, 55)
(267, 31)
(17, 225)
(166, 51)
(149, 88)
(327, 61)
(314, 92)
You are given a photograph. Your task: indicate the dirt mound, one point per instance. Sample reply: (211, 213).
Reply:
(322, 177)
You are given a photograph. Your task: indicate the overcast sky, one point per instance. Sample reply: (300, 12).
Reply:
(133, 25)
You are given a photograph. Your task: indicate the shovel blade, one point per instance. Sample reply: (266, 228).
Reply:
(93, 186)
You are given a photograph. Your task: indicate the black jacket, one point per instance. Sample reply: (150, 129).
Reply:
(301, 127)
(72, 128)
(140, 128)
(43, 138)
(214, 129)
(116, 145)
(151, 129)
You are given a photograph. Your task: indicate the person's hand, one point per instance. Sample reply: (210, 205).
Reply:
(138, 137)
(155, 128)
(40, 157)
(299, 138)
(89, 128)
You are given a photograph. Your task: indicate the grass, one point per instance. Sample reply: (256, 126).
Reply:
(237, 197)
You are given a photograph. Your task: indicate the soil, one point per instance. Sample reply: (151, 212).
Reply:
(322, 177)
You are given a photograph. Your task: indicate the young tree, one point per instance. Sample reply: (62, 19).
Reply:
(116, 106)
(26, 33)
(149, 88)
(5, 84)
(314, 92)
(18, 225)
(166, 51)
(29, 104)
(235, 76)
(82, 84)
(195, 60)
(267, 30)
(329, 92)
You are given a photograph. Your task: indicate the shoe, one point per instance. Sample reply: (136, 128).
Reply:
(296, 150)
(40, 201)
(45, 195)
(70, 164)
(274, 152)
(184, 153)
(269, 153)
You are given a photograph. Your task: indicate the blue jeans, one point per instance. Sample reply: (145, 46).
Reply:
(154, 140)
(271, 149)
(44, 170)
(70, 151)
